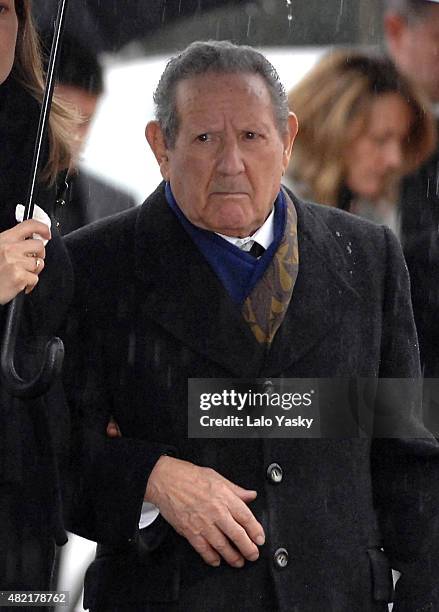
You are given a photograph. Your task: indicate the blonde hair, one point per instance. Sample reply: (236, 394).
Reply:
(28, 71)
(335, 96)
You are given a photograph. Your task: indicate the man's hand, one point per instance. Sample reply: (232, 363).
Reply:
(207, 509)
(21, 258)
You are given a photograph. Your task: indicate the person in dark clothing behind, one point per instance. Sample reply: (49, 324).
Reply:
(31, 445)
(412, 33)
(88, 198)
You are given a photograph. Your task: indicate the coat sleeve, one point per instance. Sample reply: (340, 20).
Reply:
(405, 472)
(107, 477)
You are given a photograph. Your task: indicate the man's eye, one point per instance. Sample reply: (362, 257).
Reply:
(250, 135)
(203, 137)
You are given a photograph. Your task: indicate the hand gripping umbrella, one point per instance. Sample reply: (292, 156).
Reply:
(54, 350)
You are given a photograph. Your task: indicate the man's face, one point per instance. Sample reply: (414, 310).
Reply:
(226, 166)
(8, 37)
(85, 104)
(414, 48)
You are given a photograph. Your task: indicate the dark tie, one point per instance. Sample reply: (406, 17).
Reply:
(256, 250)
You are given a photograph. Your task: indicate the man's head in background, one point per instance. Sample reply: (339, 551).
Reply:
(80, 82)
(412, 34)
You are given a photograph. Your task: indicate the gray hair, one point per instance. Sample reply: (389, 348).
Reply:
(411, 10)
(220, 57)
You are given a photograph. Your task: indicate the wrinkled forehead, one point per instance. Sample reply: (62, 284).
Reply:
(214, 91)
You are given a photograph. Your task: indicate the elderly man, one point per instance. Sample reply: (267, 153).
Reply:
(412, 34)
(224, 274)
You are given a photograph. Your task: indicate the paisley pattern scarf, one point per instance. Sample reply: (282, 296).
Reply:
(265, 307)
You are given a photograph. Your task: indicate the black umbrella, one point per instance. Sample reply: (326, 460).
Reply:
(54, 351)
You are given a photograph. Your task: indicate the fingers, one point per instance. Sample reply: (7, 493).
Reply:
(250, 531)
(215, 545)
(20, 265)
(34, 264)
(236, 553)
(212, 541)
(242, 533)
(29, 283)
(24, 230)
(207, 509)
(224, 534)
(204, 549)
(244, 530)
(15, 252)
(247, 495)
(23, 253)
(19, 280)
(29, 263)
(31, 247)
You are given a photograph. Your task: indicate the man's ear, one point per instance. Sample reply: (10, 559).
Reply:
(293, 126)
(394, 28)
(156, 141)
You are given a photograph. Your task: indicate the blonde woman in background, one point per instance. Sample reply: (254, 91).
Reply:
(362, 126)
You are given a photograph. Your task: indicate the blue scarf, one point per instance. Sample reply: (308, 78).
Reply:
(237, 270)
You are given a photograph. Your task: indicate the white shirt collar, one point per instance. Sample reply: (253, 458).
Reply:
(263, 236)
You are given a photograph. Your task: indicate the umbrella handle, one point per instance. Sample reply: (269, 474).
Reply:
(52, 359)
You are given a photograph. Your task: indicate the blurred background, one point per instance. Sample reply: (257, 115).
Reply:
(134, 39)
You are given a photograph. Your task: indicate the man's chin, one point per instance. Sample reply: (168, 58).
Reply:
(230, 215)
(234, 230)
(232, 225)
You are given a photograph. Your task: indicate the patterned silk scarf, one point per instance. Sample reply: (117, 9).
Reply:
(265, 307)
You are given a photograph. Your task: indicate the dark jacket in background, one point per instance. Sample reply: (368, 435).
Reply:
(89, 199)
(33, 433)
(420, 240)
(149, 314)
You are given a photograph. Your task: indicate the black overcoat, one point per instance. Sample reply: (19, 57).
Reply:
(33, 433)
(419, 206)
(88, 199)
(149, 314)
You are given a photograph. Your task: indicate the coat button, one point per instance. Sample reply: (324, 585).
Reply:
(275, 473)
(281, 558)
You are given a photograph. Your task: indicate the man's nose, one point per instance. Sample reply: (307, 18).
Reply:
(230, 158)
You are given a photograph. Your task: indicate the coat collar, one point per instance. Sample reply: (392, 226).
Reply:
(185, 297)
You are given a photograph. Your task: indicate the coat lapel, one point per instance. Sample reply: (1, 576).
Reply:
(322, 296)
(181, 293)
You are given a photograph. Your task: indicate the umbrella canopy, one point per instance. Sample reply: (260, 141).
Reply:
(111, 24)
(162, 26)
